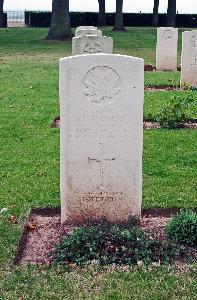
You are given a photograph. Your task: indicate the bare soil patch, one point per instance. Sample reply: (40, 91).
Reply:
(162, 88)
(149, 68)
(155, 125)
(44, 231)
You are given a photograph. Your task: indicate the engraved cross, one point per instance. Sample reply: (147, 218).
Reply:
(195, 64)
(101, 161)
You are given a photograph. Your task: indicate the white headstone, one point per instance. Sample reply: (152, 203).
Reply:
(166, 50)
(101, 101)
(189, 58)
(91, 44)
(82, 32)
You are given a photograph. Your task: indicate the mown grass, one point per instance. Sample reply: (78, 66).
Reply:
(154, 101)
(30, 167)
(32, 283)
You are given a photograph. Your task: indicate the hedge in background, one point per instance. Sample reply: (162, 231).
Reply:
(43, 19)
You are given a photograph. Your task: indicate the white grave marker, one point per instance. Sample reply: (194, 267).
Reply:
(91, 44)
(166, 50)
(86, 27)
(82, 32)
(101, 100)
(189, 58)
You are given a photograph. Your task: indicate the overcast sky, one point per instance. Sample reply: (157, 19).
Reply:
(183, 6)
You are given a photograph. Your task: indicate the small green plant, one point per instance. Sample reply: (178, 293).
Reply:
(104, 243)
(187, 86)
(175, 111)
(183, 228)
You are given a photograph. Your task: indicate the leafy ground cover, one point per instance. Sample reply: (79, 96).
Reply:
(30, 168)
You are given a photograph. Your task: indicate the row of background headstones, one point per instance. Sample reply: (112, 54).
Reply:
(89, 40)
(166, 53)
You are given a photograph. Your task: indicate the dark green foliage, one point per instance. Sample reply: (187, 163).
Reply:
(175, 111)
(183, 228)
(104, 243)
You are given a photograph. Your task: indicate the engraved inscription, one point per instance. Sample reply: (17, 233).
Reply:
(101, 85)
(101, 160)
(90, 33)
(101, 196)
(167, 34)
(104, 123)
(92, 48)
(100, 115)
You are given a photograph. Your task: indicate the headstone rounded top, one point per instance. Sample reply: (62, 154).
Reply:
(84, 32)
(163, 28)
(86, 27)
(104, 55)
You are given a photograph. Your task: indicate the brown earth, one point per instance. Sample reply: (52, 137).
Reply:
(43, 231)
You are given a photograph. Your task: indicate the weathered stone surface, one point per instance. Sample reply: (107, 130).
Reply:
(189, 58)
(91, 44)
(82, 32)
(101, 100)
(166, 50)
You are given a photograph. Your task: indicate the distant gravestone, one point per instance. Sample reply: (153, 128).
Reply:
(101, 103)
(189, 58)
(82, 32)
(86, 27)
(166, 50)
(91, 44)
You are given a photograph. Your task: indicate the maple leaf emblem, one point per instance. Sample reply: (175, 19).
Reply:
(101, 85)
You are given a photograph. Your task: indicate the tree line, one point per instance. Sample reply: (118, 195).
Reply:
(60, 21)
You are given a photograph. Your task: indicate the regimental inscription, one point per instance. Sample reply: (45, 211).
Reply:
(105, 123)
(102, 196)
(194, 40)
(101, 85)
(92, 48)
(101, 160)
(167, 34)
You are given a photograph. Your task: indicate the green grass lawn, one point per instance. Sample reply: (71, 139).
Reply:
(30, 167)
